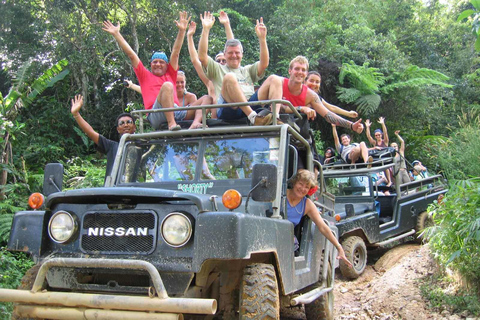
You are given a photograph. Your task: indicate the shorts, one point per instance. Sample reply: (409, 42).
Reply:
(157, 118)
(234, 114)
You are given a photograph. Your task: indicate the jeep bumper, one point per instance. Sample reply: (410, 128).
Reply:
(72, 305)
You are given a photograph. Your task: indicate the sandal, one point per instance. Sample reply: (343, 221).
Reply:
(175, 128)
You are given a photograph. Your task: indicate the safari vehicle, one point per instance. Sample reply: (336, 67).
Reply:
(368, 217)
(190, 223)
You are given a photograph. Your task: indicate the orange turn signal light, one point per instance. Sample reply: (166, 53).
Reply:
(338, 217)
(231, 199)
(36, 200)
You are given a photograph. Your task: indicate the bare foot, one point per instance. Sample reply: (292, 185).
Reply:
(196, 125)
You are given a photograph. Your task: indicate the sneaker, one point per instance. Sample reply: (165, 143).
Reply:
(369, 161)
(263, 120)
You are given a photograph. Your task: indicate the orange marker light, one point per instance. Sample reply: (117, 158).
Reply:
(36, 200)
(337, 217)
(232, 199)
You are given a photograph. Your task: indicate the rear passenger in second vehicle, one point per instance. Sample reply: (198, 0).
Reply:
(351, 152)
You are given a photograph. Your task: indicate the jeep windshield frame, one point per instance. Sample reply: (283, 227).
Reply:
(273, 131)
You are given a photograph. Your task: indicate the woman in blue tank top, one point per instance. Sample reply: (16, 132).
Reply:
(298, 205)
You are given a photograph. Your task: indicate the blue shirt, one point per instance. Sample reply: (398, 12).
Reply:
(295, 214)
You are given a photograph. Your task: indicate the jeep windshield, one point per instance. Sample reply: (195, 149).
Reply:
(173, 161)
(351, 186)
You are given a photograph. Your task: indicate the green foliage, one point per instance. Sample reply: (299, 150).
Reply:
(455, 239)
(438, 291)
(475, 20)
(459, 155)
(84, 173)
(12, 268)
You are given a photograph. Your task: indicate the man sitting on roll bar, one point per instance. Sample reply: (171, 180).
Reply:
(159, 86)
(234, 83)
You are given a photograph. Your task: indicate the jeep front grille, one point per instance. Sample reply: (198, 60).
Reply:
(118, 233)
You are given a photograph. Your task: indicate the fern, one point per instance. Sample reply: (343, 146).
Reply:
(414, 77)
(368, 80)
(368, 104)
(5, 226)
(348, 95)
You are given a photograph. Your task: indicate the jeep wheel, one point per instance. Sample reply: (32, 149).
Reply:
(259, 297)
(322, 308)
(356, 252)
(27, 284)
(423, 221)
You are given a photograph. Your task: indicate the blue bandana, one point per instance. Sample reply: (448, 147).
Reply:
(159, 55)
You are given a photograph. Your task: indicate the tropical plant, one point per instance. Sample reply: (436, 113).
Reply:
(473, 16)
(368, 84)
(455, 239)
(22, 94)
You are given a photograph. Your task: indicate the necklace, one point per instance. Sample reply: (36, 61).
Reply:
(295, 207)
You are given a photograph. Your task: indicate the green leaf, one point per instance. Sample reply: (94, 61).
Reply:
(476, 4)
(477, 44)
(465, 14)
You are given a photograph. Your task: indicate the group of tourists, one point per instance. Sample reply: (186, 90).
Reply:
(227, 81)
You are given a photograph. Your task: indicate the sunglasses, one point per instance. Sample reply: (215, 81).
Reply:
(221, 60)
(121, 123)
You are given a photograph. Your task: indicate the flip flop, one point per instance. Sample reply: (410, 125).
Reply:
(175, 128)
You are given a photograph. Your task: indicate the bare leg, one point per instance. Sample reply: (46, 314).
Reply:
(165, 98)
(196, 115)
(232, 92)
(272, 89)
(354, 154)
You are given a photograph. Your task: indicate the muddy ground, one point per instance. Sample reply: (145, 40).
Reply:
(387, 290)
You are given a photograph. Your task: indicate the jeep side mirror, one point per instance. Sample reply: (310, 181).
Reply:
(52, 178)
(264, 182)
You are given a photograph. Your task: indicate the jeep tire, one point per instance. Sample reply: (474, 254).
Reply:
(423, 221)
(322, 307)
(27, 284)
(356, 253)
(259, 296)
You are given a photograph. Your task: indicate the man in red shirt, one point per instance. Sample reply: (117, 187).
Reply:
(158, 85)
(304, 98)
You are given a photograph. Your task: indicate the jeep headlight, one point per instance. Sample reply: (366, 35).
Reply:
(176, 229)
(61, 227)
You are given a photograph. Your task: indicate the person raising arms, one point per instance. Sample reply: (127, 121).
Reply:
(158, 86)
(125, 124)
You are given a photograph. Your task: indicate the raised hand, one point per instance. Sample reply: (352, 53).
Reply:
(110, 27)
(207, 20)
(223, 18)
(397, 132)
(368, 123)
(191, 28)
(260, 29)
(381, 120)
(358, 126)
(77, 103)
(182, 23)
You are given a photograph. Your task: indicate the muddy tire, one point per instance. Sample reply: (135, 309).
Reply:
(322, 308)
(423, 221)
(27, 284)
(356, 253)
(259, 297)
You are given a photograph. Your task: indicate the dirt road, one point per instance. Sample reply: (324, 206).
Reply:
(387, 290)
